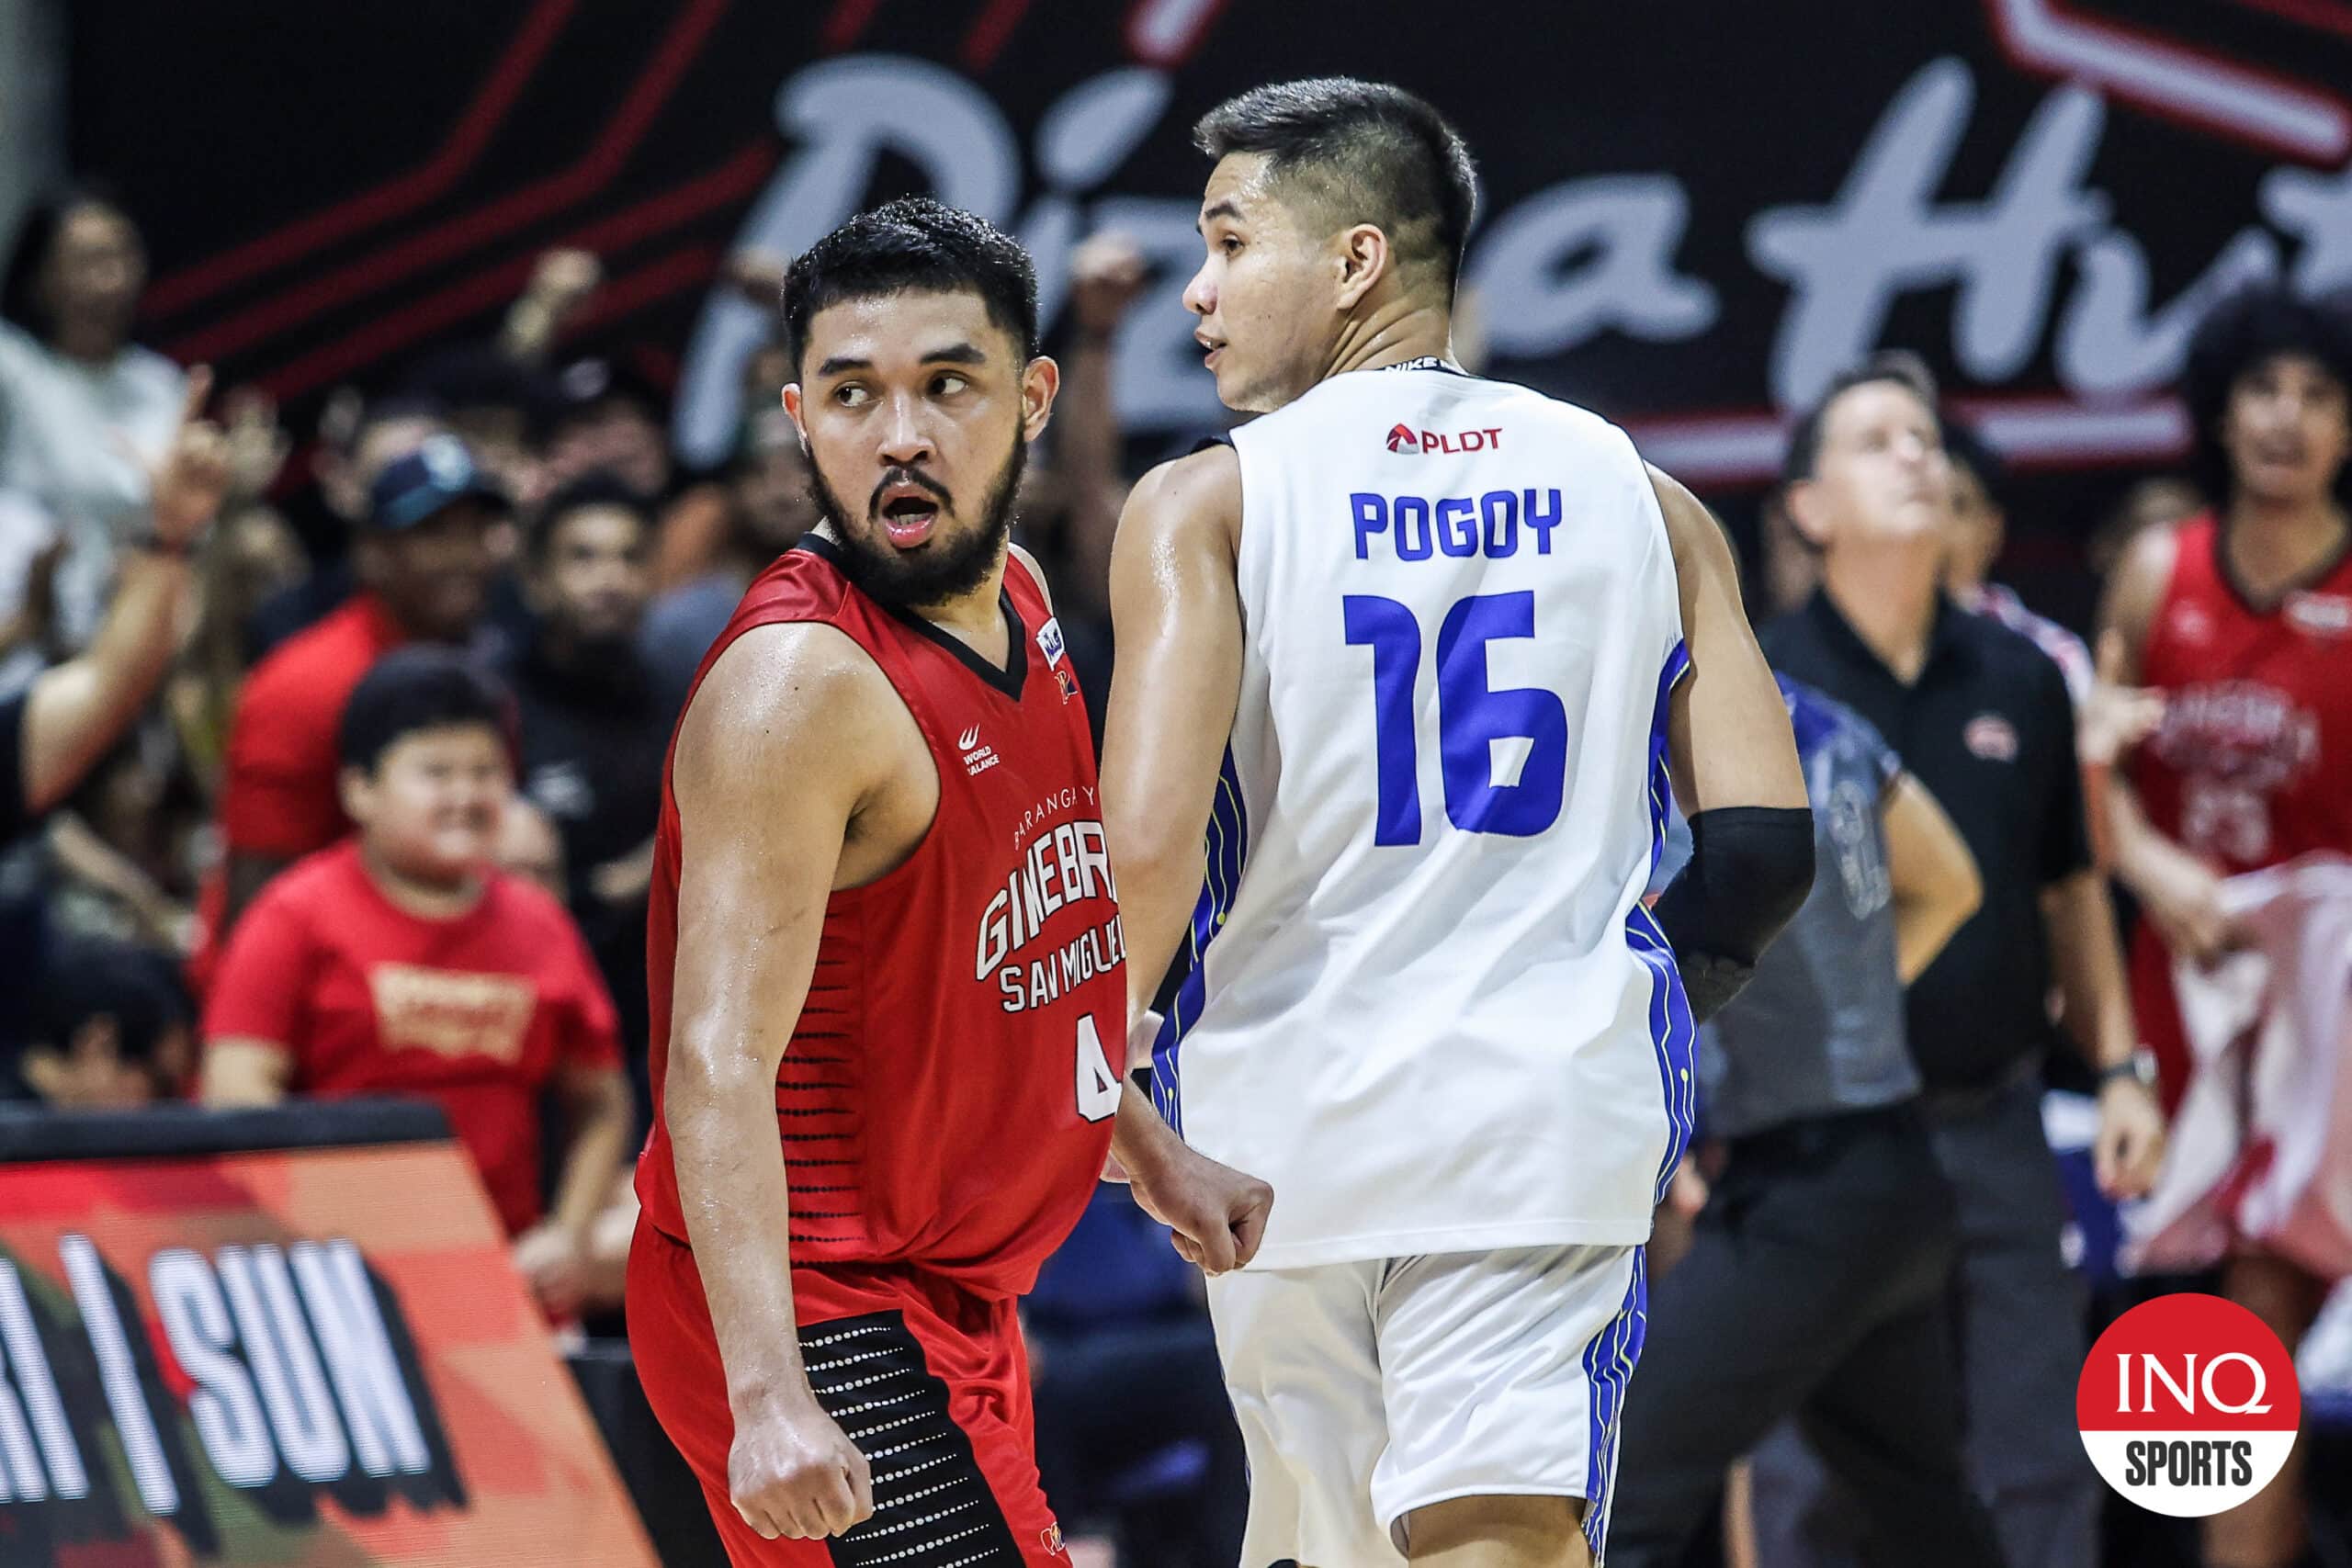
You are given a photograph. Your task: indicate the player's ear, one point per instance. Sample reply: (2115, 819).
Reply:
(1039, 382)
(1364, 260)
(792, 405)
(359, 791)
(1802, 500)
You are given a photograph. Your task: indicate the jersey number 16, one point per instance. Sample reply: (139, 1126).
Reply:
(1471, 714)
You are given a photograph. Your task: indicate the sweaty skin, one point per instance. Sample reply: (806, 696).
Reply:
(921, 383)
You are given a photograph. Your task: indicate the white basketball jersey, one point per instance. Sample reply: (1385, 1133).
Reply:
(1426, 1004)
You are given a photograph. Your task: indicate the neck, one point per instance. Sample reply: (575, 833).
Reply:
(85, 346)
(2272, 543)
(425, 899)
(973, 618)
(1888, 596)
(558, 649)
(1397, 330)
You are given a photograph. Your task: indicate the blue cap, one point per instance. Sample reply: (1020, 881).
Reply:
(427, 483)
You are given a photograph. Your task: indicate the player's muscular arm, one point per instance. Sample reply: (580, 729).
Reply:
(1176, 610)
(1736, 774)
(1729, 700)
(1934, 878)
(2177, 891)
(791, 774)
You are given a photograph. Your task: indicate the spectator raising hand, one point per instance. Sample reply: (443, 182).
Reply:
(194, 475)
(561, 283)
(65, 721)
(1107, 272)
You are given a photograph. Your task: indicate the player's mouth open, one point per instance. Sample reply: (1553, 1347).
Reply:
(1210, 347)
(909, 514)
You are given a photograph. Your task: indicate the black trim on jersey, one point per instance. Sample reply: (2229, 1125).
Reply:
(933, 1504)
(2302, 582)
(1009, 680)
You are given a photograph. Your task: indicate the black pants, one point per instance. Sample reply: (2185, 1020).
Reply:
(1105, 1403)
(2016, 1316)
(1814, 1286)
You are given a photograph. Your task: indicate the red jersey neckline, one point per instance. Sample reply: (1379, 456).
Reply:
(1011, 679)
(2308, 580)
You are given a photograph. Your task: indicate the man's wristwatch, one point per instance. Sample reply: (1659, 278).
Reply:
(2140, 1067)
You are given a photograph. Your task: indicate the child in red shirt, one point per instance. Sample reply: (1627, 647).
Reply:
(401, 963)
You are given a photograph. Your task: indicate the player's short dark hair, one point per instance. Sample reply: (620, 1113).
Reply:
(1362, 153)
(2253, 324)
(598, 487)
(913, 245)
(1967, 448)
(412, 690)
(1900, 366)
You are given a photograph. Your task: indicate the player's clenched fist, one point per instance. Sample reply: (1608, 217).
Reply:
(794, 1472)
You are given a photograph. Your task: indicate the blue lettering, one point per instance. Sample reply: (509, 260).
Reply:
(1418, 527)
(1412, 510)
(1500, 509)
(1543, 522)
(1372, 518)
(1456, 534)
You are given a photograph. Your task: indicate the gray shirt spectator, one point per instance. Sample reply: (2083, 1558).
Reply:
(1820, 1028)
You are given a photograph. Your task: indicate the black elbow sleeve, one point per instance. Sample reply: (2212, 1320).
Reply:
(1750, 869)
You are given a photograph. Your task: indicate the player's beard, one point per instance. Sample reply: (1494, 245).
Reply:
(948, 567)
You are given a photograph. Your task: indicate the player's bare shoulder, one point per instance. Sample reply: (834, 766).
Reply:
(1036, 572)
(1700, 550)
(1188, 502)
(2136, 589)
(797, 725)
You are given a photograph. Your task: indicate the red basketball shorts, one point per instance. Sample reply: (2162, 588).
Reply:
(930, 1382)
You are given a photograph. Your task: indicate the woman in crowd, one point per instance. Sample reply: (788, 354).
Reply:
(83, 411)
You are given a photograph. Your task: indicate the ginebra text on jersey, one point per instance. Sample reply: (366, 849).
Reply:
(1068, 865)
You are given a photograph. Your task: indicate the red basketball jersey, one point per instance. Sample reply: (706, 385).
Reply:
(2250, 765)
(947, 1095)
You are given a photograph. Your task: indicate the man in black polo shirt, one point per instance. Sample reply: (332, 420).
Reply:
(1982, 717)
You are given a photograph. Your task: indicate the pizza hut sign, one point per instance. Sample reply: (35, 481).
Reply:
(2047, 264)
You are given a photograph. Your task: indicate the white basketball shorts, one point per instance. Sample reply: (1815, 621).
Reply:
(1367, 1389)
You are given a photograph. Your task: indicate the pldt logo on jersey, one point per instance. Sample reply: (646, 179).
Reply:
(1403, 438)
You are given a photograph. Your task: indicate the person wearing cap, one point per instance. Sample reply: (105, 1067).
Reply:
(425, 567)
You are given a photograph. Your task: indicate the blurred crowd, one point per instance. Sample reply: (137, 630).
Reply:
(339, 749)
